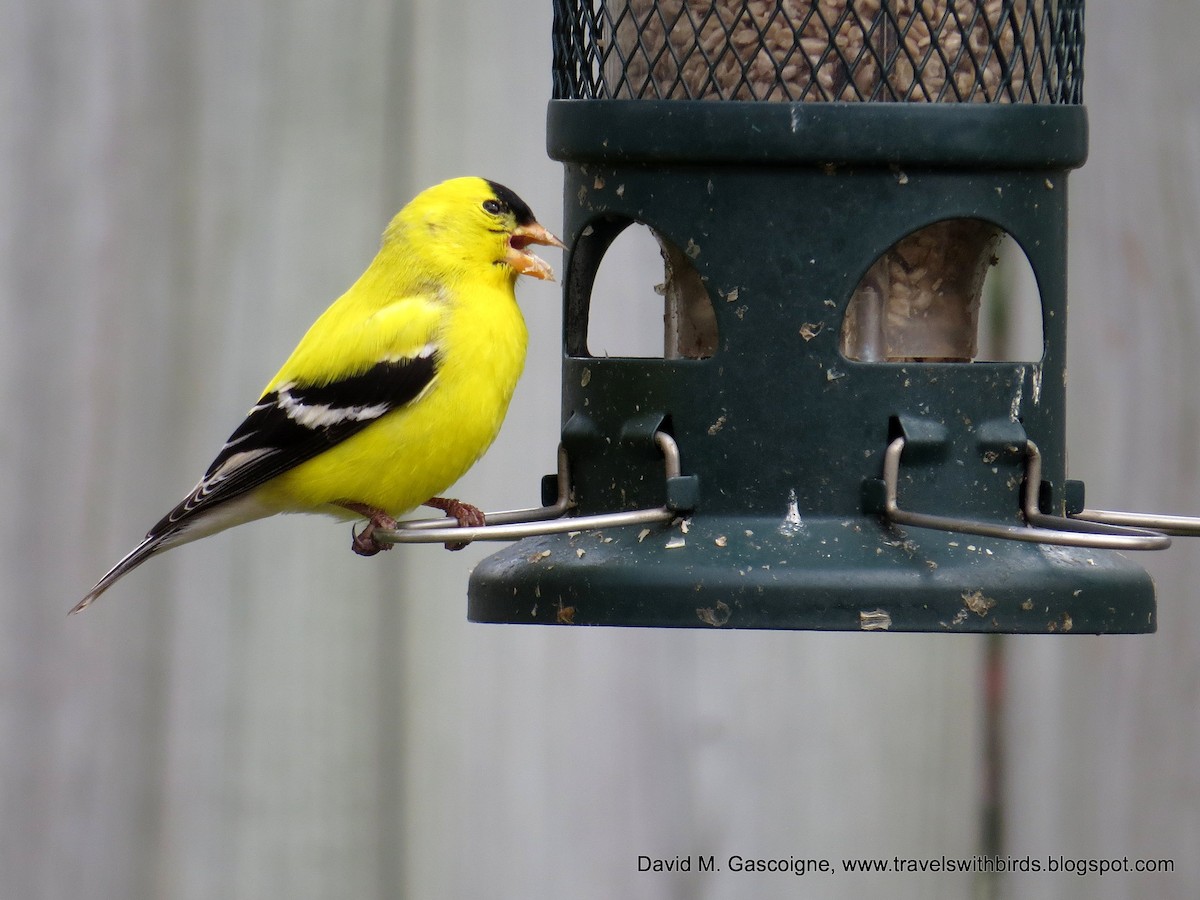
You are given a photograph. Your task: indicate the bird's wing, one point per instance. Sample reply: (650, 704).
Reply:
(289, 425)
(300, 416)
(295, 422)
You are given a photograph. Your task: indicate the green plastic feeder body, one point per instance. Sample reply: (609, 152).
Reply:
(779, 210)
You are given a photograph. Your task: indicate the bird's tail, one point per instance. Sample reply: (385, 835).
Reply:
(150, 545)
(172, 530)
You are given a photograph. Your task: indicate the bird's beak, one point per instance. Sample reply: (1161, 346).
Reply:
(524, 262)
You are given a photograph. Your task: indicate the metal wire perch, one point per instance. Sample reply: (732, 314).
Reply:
(1041, 528)
(514, 524)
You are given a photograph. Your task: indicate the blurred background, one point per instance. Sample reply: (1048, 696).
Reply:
(184, 186)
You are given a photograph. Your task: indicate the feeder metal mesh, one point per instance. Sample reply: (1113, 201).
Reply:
(964, 51)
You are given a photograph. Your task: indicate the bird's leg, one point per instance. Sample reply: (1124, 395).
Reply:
(364, 542)
(465, 514)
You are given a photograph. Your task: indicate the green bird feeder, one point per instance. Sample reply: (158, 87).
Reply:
(818, 447)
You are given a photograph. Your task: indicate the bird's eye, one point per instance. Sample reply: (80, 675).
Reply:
(495, 207)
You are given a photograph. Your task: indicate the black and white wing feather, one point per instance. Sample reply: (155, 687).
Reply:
(294, 423)
(288, 426)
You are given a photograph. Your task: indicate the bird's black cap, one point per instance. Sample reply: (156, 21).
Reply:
(510, 199)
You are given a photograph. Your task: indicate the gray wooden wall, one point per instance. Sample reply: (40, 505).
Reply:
(183, 187)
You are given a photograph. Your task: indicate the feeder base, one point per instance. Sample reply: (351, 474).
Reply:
(852, 574)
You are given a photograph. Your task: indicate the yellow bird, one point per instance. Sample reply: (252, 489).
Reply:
(394, 392)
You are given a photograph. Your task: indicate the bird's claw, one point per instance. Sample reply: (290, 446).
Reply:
(364, 542)
(465, 514)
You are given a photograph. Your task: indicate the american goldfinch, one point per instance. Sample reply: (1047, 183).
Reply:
(394, 392)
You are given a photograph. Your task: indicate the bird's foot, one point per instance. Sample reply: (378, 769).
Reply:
(364, 542)
(465, 514)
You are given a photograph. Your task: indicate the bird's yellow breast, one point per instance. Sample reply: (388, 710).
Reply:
(418, 451)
